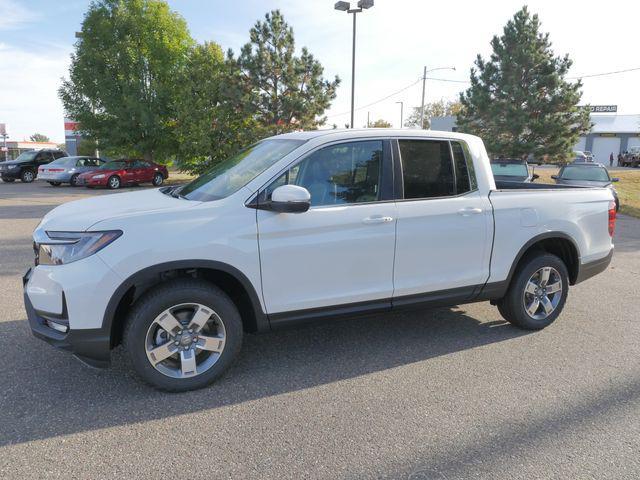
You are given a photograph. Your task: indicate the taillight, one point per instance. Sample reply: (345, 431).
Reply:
(612, 218)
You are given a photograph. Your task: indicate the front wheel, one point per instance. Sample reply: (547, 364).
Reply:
(8, 180)
(183, 335)
(537, 293)
(114, 182)
(158, 179)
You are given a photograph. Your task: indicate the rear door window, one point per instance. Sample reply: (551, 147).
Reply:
(427, 169)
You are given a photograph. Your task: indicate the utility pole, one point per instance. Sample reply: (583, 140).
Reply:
(424, 81)
(401, 112)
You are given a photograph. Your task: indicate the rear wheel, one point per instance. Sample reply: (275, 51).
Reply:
(55, 184)
(73, 181)
(27, 176)
(537, 293)
(158, 179)
(183, 335)
(114, 182)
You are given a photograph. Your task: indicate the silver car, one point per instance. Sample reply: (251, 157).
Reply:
(67, 169)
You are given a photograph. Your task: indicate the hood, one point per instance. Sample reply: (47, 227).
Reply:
(15, 162)
(80, 215)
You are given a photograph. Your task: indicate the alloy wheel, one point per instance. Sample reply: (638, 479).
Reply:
(542, 293)
(185, 340)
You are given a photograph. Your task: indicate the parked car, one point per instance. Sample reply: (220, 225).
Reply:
(25, 167)
(589, 156)
(299, 227)
(631, 158)
(512, 170)
(587, 175)
(67, 169)
(124, 172)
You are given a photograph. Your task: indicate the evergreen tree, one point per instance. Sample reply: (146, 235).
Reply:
(123, 76)
(289, 91)
(213, 115)
(519, 101)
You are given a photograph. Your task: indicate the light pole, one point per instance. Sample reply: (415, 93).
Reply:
(401, 112)
(346, 7)
(424, 81)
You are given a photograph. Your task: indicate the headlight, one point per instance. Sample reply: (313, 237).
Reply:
(101, 175)
(58, 248)
(11, 167)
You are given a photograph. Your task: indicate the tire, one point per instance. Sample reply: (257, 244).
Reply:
(114, 182)
(546, 306)
(158, 179)
(73, 181)
(55, 184)
(8, 180)
(27, 176)
(143, 334)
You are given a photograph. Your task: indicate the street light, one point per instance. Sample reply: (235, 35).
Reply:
(424, 81)
(346, 7)
(401, 112)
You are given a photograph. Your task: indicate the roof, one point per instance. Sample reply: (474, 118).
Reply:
(615, 123)
(370, 132)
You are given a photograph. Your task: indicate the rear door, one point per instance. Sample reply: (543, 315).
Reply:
(444, 223)
(339, 252)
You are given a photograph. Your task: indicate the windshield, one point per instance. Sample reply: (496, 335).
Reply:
(27, 156)
(113, 165)
(235, 172)
(595, 174)
(510, 169)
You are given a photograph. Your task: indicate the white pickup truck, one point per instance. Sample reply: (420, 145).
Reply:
(303, 226)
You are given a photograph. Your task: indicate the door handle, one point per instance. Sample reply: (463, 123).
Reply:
(465, 212)
(377, 219)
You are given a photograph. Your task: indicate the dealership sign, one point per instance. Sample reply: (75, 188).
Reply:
(603, 108)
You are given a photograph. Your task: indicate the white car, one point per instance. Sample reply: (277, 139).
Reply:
(304, 226)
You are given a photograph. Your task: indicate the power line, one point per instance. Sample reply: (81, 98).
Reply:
(451, 80)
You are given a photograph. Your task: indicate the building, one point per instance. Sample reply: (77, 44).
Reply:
(609, 134)
(15, 148)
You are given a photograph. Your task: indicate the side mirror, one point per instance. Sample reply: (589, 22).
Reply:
(535, 176)
(290, 199)
(615, 179)
(555, 177)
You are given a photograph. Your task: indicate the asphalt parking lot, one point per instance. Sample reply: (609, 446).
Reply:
(444, 394)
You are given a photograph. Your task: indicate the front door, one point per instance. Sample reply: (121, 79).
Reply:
(339, 252)
(444, 223)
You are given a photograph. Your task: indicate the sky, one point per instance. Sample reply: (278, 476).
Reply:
(395, 40)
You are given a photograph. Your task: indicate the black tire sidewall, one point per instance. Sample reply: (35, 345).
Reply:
(514, 306)
(148, 307)
(73, 180)
(157, 183)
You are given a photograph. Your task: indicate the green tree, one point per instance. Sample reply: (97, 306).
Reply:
(213, 115)
(380, 123)
(289, 91)
(519, 101)
(123, 75)
(433, 109)
(87, 147)
(39, 137)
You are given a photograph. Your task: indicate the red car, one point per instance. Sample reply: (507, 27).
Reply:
(124, 172)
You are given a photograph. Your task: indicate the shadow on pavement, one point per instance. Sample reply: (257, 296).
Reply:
(47, 393)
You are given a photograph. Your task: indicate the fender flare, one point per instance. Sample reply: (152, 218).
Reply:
(148, 273)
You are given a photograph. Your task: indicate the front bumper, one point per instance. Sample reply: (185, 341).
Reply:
(92, 346)
(13, 173)
(91, 182)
